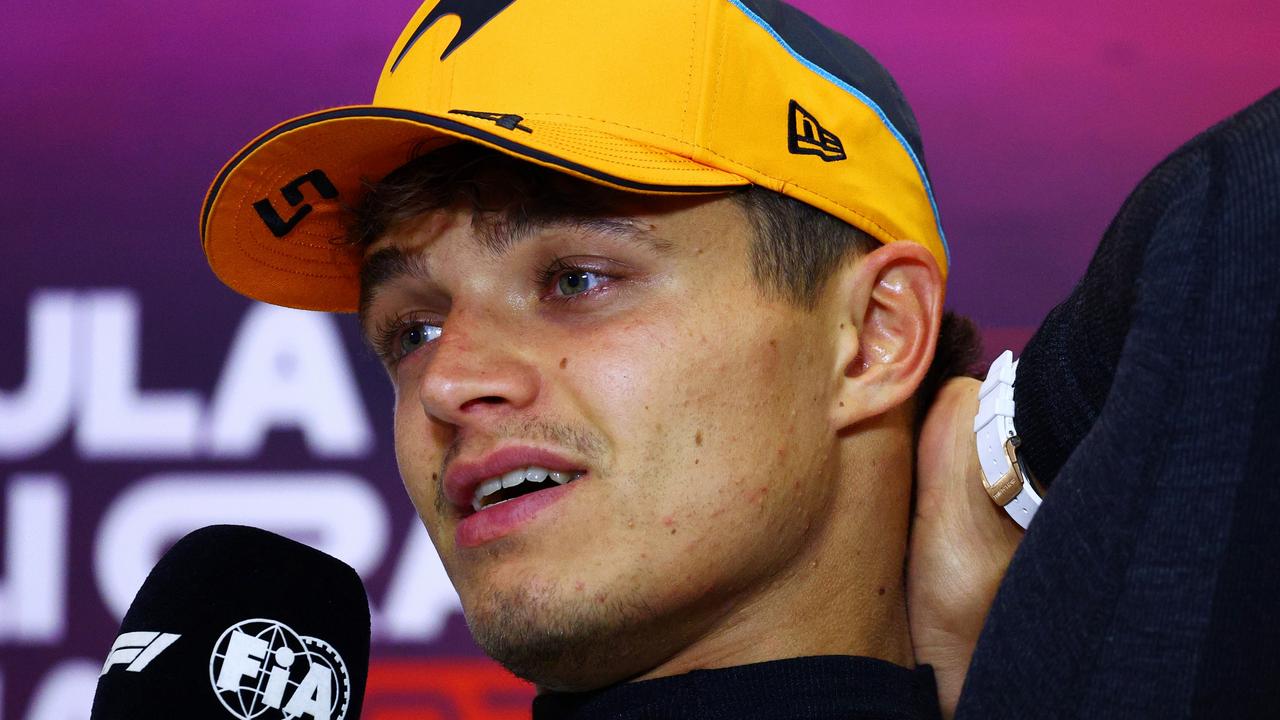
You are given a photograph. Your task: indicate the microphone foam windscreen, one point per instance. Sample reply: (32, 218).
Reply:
(237, 622)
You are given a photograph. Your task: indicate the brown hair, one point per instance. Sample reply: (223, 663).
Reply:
(796, 247)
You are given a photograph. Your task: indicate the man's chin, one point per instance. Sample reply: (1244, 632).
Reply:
(566, 645)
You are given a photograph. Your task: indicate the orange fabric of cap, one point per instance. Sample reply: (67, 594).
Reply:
(657, 96)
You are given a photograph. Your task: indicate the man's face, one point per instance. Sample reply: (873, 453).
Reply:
(635, 353)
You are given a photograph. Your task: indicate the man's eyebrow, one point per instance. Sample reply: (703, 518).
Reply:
(383, 266)
(498, 238)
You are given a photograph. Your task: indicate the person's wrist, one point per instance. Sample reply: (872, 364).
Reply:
(961, 541)
(1004, 475)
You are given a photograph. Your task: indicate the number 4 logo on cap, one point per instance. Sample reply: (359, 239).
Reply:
(292, 194)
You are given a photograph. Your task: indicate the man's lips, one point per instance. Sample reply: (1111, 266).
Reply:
(509, 516)
(463, 476)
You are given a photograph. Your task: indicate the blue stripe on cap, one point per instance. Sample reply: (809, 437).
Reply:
(924, 179)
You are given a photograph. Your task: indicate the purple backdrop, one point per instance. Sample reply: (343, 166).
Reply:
(139, 398)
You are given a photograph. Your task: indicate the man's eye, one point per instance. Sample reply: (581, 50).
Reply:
(417, 335)
(576, 282)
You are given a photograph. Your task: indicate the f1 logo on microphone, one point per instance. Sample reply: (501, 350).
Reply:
(137, 649)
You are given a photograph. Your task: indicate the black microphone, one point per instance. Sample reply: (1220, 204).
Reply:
(237, 622)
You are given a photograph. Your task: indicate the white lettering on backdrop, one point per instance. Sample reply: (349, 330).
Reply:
(286, 369)
(33, 418)
(66, 691)
(84, 379)
(33, 590)
(334, 512)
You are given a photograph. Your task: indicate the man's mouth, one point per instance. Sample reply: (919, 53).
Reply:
(522, 481)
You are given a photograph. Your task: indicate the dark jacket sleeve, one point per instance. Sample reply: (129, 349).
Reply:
(1149, 583)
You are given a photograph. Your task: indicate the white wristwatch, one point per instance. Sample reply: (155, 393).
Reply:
(1006, 478)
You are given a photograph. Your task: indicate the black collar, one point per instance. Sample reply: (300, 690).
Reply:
(807, 688)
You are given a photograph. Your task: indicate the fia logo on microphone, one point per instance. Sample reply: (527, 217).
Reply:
(262, 670)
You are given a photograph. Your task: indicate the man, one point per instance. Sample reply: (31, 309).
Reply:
(656, 399)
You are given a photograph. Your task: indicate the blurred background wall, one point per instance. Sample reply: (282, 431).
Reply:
(139, 399)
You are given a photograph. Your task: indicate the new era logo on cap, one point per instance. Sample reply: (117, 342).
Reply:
(806, 136)
(659, 96)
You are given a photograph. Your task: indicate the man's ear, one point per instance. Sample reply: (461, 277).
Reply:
(890, 306)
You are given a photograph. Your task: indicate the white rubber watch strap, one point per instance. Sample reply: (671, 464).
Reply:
(1006, 481)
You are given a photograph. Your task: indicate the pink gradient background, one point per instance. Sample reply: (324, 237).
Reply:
(1037, 118)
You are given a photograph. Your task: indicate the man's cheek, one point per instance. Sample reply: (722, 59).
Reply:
(413, 458)
(694, 566)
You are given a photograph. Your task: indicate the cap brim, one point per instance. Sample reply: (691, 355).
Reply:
(272, 222)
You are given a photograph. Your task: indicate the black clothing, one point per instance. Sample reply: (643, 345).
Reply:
(1149, 583)
(809, 688)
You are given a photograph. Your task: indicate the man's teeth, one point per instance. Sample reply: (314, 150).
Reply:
(516, 477)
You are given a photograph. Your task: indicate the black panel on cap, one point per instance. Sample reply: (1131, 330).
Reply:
(845, 60)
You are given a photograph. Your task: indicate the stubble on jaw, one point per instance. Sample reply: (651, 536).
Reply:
(569, 645)
(547, 634)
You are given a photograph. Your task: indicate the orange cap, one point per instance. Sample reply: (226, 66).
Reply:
(656, 96)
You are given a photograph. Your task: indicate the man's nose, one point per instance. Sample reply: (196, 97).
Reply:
(478, 370)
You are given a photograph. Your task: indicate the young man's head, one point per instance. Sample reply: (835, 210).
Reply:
(729, 381)
(655, 416)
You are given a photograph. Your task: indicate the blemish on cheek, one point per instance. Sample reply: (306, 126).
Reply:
(841, 403)
(669, 520)
(880, 591)
(434, 476)
(579, 586)
(631, 523)
(600, 598)
(697, 438)
(758, 495)
(564, 362)
(695, 461)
